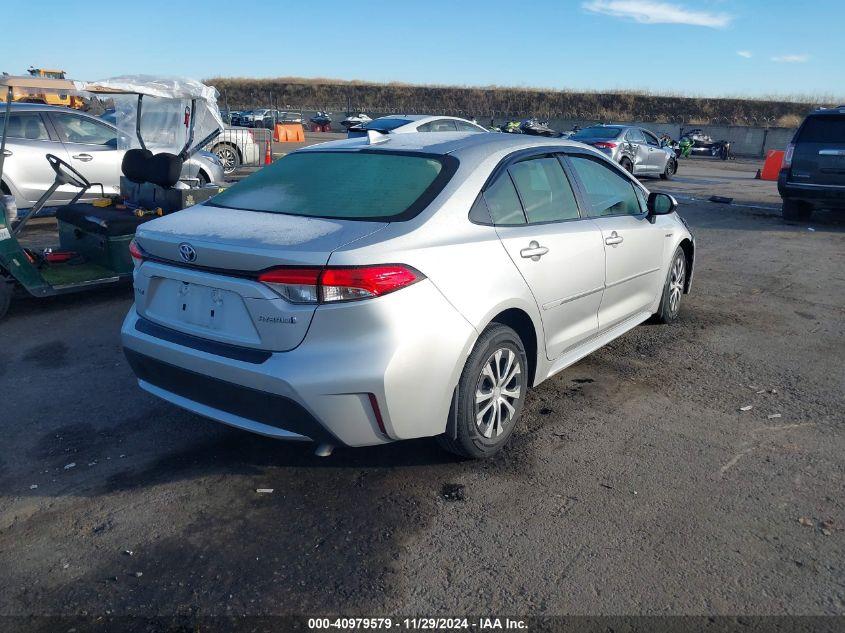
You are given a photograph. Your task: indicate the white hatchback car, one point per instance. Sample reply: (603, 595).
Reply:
(370, 290)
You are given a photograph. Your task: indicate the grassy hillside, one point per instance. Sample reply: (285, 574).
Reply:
(502, 102)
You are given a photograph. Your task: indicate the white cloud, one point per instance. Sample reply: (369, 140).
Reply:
(745, 54)
(792, 59)
(651, 12)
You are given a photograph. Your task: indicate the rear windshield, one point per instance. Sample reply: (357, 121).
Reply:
(385, 125)
(362, 185)
(596, 132)
(823, 129)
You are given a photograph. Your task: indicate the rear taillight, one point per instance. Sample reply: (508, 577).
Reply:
(326, 285)
(605, 145)
(787, 156)
(137, 253)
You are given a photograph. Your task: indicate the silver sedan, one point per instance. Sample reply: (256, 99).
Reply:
(385, 288)
(638, 151)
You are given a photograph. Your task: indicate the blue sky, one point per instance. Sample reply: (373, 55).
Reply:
(715, 47)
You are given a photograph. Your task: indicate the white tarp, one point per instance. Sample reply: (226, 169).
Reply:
(163, 111)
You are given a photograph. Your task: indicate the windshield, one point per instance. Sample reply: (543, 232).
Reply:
(596, 132)
(385, 125)
(362, 185)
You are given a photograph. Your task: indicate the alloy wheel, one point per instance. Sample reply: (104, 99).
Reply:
(676, 284)
(496, 392)
(228, 157)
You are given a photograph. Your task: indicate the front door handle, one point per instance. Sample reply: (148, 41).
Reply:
(7, 152)
(534, 251)
(614, 239)
(83, 157)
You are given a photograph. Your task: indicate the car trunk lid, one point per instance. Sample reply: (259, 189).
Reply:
(201, 274)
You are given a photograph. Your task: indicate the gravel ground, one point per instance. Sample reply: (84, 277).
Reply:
(635, 483)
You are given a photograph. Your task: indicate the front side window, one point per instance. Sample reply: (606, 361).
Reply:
(503, 203)
(608, 193)
(466, 126)
(77, 129)
(26, 125)
(544, 190)
(343, 185)
(651, 139)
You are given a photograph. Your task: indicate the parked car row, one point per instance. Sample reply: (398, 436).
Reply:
(262, 117)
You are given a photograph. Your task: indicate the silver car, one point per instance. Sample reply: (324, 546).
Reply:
(410, 123)
(637, 150)
(370, 290)
(86, 142)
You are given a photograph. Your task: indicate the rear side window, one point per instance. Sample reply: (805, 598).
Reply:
(608, 192)
(503, 203)
(358, 185)
(823, 129)
(27, 125)
(544, 190)
(442, 125)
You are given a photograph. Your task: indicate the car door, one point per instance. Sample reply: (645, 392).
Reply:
(633, 245)
(559, 254)
(656, 156)
(92, 147)
(28, 142)
(638, 150)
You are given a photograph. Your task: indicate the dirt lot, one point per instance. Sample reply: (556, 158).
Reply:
(634, 484)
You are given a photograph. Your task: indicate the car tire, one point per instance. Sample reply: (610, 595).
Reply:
(670, 169)
(796, 211)
(673, 289)
(490, 394)
(7, 289)
(229, 155)
(202, 178)
(627, 165)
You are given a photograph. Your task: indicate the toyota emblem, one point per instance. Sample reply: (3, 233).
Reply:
(187, 252)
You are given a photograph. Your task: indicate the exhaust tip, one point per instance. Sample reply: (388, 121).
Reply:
(324, 450)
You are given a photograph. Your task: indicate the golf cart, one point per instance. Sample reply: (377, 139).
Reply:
(158, 121)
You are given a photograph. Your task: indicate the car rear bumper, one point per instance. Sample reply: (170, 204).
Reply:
(397, 358)
(820, 196)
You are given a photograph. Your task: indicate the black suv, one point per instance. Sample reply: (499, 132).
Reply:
(813, 171)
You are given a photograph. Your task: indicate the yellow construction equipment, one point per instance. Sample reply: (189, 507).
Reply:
(48, 93)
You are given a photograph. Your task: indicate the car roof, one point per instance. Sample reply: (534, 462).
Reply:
(22, 105)
(420, 117)
(464, 145)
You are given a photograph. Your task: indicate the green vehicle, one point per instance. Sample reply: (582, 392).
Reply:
(94, 241)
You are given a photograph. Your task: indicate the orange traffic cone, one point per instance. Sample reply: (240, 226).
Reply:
(268, 154)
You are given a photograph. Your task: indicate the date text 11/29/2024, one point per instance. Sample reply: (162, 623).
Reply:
(418, 624)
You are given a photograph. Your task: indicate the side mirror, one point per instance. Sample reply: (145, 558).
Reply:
(661, 204)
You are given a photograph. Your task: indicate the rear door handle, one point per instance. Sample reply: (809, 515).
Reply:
(614, 239)
(832, 152)
(534, 251)
(83, 157)
(7, 152)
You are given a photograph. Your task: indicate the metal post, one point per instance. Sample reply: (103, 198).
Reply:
(9, 95)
